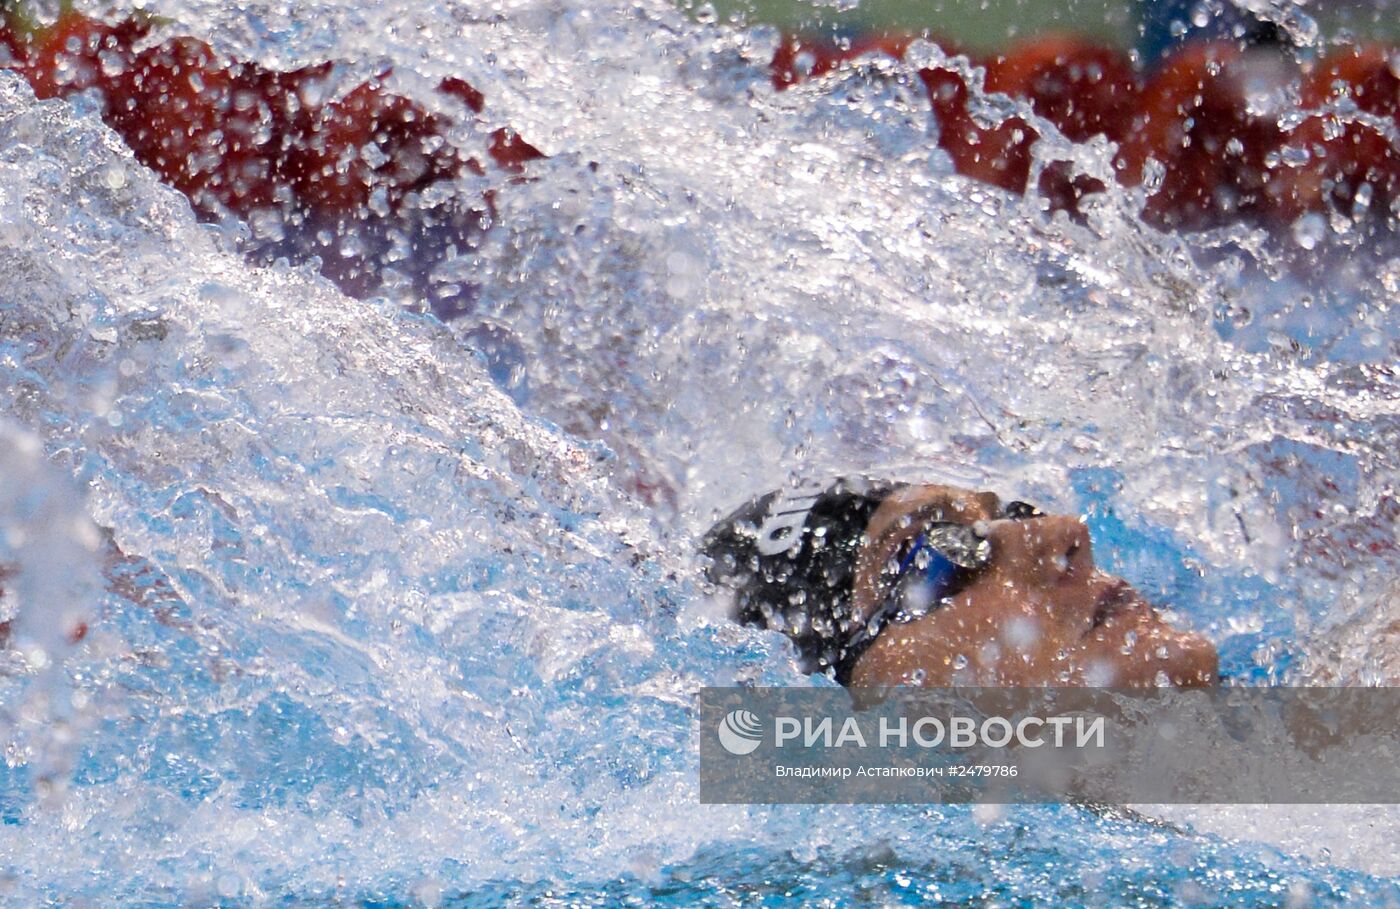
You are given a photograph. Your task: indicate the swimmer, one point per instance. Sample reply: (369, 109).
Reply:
(885, 584)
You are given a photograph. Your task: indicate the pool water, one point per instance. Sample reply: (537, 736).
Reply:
(378, 613)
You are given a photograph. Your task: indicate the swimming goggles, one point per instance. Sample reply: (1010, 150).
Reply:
(941, 560)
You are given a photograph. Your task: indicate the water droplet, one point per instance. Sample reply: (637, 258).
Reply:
(379, 201)
(1153, 173)
(1300, 896)
(230, 885)
(1362, 200)
(429, 893)
(1309, 230)
(36, 657)
(351, 246)
(373, 155)
(114, 175)
(1294, 155)
(1390, 276)
(266, 224)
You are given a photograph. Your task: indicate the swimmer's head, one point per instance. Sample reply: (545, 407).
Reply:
(1033, 611)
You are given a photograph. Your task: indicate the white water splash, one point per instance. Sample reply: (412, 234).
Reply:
(376, 628)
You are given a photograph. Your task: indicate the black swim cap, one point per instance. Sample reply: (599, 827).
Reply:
(790, 558)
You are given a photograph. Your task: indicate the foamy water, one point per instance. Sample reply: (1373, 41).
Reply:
(387, 612)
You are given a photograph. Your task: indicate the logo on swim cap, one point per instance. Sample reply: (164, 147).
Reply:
(740, 732)
(787, 515)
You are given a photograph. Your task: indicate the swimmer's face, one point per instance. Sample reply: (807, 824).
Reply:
(1041, 613)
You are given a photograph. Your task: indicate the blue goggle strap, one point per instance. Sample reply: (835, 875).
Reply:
(938, 573)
